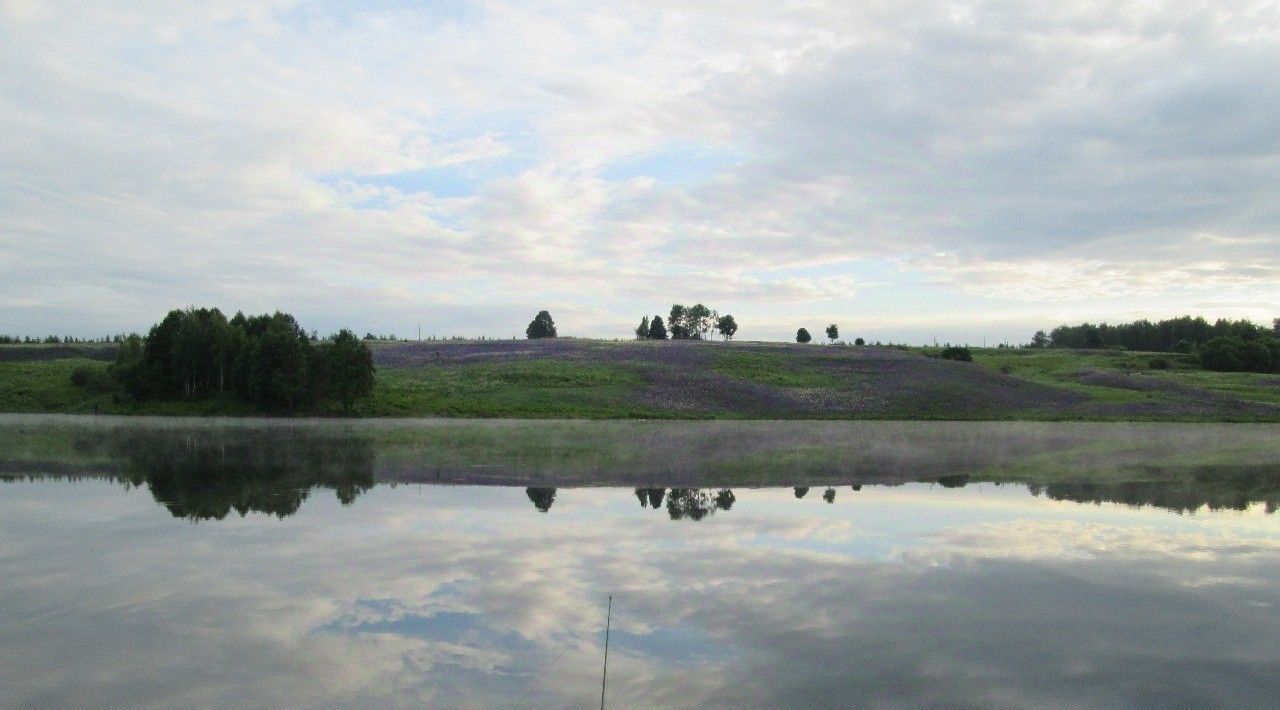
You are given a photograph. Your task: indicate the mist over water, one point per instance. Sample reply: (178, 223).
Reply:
(172, 564)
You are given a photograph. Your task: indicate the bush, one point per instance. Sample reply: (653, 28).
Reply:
(1233, 354)
(859, 341)
(1159, 363)
(955, 352)
(92, 379)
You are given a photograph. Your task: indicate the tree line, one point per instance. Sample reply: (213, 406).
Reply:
(1175, 335)
(266, 360)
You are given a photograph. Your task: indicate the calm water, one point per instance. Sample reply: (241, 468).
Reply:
(180, 566)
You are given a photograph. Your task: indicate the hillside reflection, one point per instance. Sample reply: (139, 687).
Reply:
(208, 472)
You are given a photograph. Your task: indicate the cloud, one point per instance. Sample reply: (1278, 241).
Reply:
(265, 155)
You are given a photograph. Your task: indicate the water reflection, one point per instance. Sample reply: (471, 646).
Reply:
(455, 596)
(205, 474)
(542, 498)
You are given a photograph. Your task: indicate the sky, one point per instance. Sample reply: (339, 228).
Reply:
(959, 171)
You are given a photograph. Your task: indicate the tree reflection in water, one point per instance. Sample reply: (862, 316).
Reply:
(542, 498)
(206, 474)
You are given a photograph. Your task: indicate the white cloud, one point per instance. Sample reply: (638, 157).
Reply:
(295, 155)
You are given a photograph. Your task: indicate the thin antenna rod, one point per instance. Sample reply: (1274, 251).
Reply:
(604, 677)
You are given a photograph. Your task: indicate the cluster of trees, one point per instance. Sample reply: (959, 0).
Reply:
(266, 360)
(687, 323)
(1180, 335)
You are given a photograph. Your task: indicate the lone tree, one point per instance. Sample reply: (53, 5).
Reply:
(1040, 339)
(657, 331)
(802, 336)
(541, 326)
(642, 330)
(833, 332)
(859, 341)
(726, 326)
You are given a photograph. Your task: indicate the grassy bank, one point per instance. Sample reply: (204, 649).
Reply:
(588, 379)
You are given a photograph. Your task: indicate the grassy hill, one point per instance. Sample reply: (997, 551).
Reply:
(575, 378)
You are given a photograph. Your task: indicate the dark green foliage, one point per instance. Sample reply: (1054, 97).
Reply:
(93, 379)
(1040, 339)
(859, 341)
(726, 326)
(801, 491)
(541, 326)
(829, 495)
(268, 361)
(833, 332)
(956, 352)
(1175, 335)
(676, 322)
(642, 330)
(1160, 363)
(344, 369)
(657, 331)
(1234, 354)
(802, 336)
(277, 362)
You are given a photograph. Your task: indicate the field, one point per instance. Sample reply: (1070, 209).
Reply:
(596, 379)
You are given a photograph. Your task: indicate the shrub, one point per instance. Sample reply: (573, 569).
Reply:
(1224, 354)
(956, 352)
(859, 341)
(1159, 363)
(92, 379)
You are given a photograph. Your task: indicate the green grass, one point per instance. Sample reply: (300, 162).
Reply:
(548, 388)
(776, 369)
(577, 389)
(1064, 368)
(46, 387)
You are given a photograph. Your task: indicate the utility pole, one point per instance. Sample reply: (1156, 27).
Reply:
(604, 677)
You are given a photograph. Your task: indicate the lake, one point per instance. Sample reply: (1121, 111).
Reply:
(225, 563)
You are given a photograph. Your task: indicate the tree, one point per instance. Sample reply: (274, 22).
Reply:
(801, 491)
(541, 326)
(657, 331)
(829, 495)
(802, 336)
(726, 326)
(676, 321)
(833, 332)
(1040, 339)
(278, 362)
(347, 365)
(698, 321)
(642, 330)
(1275, 327)
(859, 341)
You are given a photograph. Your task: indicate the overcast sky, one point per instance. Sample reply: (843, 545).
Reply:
(911, 170)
